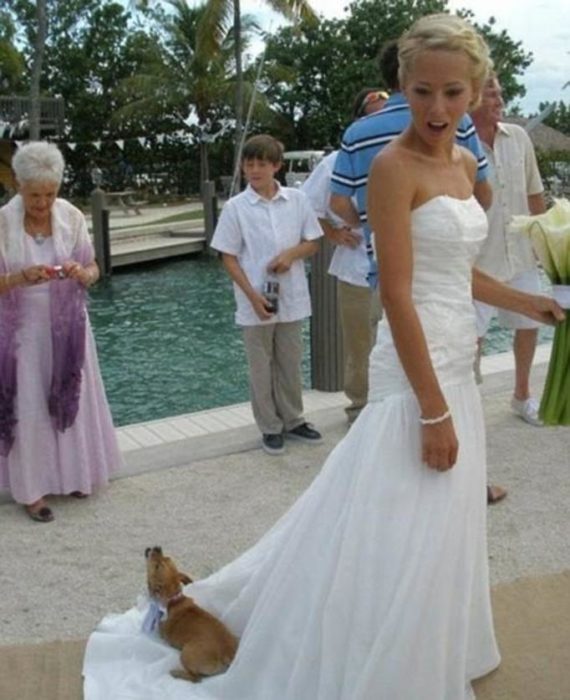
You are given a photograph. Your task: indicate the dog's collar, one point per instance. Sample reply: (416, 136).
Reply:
(175, 599)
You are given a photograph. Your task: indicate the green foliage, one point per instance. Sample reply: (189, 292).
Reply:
(220, 15)
(129, 69)
(560, 118)
(11, 68)
(554, 168)
(313, 72)
(182, 77)
(175, 77)
(555, 165)
(509, 58)
(11, 60)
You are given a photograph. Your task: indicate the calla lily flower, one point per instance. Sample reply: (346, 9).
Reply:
(549, 234)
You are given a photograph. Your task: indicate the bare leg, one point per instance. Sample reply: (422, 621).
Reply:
(524, 347)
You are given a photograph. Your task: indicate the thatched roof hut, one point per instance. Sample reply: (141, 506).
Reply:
(543, 137)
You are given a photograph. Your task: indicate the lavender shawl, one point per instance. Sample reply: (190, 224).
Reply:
(68, 315)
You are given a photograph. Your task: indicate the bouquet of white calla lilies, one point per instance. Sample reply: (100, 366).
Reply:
(549, 234)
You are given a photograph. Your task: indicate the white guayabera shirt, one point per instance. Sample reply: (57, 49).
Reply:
(255, 230)
(514, 175)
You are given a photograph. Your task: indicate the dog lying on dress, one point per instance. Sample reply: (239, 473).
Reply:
(207, 647)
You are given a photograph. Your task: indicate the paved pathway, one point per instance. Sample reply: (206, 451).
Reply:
(205, 497)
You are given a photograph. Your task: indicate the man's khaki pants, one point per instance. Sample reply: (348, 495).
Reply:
(360, 311)
(274, 353)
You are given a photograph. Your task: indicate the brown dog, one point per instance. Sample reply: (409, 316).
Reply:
(207, 646)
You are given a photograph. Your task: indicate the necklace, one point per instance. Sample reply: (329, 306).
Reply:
(31, 228)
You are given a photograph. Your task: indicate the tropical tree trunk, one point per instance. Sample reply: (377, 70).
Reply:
(239, 80)
(204, 166)
(35, 107)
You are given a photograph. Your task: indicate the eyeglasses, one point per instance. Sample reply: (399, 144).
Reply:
(373, 97)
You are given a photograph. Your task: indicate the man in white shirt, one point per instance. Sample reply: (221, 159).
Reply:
(359, 303)
(517, 189)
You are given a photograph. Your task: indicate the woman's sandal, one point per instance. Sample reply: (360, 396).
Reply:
(41, 515)
(495, 494)
(79, 494)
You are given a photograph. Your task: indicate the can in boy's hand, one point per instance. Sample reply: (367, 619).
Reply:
(271, 293)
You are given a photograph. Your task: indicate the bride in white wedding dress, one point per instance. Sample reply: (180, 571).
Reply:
(374, 586)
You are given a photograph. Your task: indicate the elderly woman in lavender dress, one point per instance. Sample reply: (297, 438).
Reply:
(56, 430)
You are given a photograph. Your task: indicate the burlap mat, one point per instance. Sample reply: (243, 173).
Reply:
(49, 671)
(532, 618)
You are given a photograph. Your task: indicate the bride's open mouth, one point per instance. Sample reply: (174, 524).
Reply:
(437, 127)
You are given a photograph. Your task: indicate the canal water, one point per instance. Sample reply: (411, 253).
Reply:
(167, 342)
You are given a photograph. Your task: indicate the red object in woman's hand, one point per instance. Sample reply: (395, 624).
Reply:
(56, 272)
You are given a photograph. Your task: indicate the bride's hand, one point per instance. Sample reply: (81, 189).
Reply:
(439, 445)
(545, 310)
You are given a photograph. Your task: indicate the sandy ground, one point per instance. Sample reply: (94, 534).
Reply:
(59, 580)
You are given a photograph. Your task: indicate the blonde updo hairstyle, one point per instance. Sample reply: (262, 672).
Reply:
(446, 33)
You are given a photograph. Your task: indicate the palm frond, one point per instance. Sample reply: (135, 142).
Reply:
(293, 9)
(214, 26)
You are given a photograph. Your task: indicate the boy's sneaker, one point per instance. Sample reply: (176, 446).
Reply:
(305, 432)
(273, 443)
(527, 410)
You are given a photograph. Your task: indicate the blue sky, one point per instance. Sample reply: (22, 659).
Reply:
(543, 26)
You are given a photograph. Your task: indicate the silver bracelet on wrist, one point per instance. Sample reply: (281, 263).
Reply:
(438, 419)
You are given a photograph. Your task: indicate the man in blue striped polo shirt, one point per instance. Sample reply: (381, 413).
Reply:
(366, 137)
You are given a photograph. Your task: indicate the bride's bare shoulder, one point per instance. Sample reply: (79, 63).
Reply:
(392, 166)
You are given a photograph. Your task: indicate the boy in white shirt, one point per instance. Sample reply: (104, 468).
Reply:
(264, 234)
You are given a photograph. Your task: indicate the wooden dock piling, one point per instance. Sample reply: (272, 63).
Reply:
(327, 357)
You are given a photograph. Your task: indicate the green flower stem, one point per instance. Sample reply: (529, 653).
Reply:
(565, 416)
(555, 404)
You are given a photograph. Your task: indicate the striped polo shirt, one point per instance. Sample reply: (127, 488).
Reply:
(366, 137)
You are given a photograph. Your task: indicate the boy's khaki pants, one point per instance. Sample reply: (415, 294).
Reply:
(274, 353)
(360, 311)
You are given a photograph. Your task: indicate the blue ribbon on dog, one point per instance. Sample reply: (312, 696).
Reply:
(153, 616)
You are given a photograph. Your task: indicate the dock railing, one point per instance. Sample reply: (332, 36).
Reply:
(101, 232)
(15, 110)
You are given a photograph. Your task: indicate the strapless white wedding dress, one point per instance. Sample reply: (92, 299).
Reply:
(374, 585)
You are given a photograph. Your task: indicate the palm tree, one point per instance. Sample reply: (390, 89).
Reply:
(11, 60)
(214, 26)
(37, 64)
(218, 17)
(182, 78)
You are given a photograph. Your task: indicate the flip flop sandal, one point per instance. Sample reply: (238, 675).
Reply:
(79, 494)
(43, 515)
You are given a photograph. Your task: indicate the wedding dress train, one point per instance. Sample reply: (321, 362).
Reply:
(374, 585)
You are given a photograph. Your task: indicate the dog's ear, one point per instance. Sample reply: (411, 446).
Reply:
(184, 579)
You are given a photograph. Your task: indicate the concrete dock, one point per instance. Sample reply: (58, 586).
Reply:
(151, 235)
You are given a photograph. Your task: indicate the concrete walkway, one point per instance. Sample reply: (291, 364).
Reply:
(149, 215)
(206, 497)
